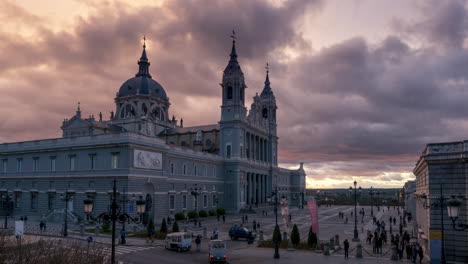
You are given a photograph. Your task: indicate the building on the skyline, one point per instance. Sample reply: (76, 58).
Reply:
(152, 155)
(410, 200)
(441, 171)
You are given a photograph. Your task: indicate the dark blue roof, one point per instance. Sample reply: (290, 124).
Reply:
(144, 85)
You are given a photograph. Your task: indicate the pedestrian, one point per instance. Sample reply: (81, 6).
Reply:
(420, 253)
(41, 225)
(290, 217)
(246, 218)
(224, 219)
(198, 242)
(414, 252)
(122, 237)
(346, 248)
(243, 219)
(258, 225)
(218, 217)
(408, 251)
(150, 233)
(254, 225)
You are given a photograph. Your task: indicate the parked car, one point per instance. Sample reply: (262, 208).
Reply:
(237, 232)
(217, 251)
(179, 241)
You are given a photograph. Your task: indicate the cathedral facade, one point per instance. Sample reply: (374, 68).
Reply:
(232, 164)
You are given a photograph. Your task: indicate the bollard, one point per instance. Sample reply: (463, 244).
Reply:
(359, 251)
(204, 232)
(96, 231)
(326, 250)
(260, 236)
(394, 253)
(81, 230)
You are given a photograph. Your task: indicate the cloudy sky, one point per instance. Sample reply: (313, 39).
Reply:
(361, 86)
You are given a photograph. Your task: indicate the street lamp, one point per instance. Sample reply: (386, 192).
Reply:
(372, 193)
(453, 208)
(356, 234)
(113, 215)
(196, 191)
(66, 197)
(440, 203)
(7, 206)
(275, 203)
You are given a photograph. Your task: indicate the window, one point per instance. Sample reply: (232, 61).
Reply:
(184, 201)
(115, 160)
(228, 151)
(172, 168)
(71, 162)
(172, 202)
(19, 165)
(92, 161)
(214, 201)
(241, 94)
(205, 200)
(51, 201)
(5, 165)
(229, 92)
(34, 200)
(35, 164)
(17, 200)
(52, 163)
(195, 170)
(241, 151)
(185, 169)
(265, 112)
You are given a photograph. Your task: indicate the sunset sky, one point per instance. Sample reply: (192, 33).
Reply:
(361, 86)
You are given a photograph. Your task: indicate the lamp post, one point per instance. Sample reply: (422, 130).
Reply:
(275, 203)
(196, 191)
(7, 206)
(440, 203)
(372, 193)
(356, 234)
(113, 215)
(66, 197)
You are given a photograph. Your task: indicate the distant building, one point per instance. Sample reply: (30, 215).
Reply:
(410, 200)
(234, 162)
(442, 171)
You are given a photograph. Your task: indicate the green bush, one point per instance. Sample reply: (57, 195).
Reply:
(105, 227)
(295, 237)
(203, 213)
(312, 239)
(175, 227)
(192, 214)
(221, 211)
(150, 226)
(179, 216)
(212, 212)
(277, 234)
(163, 228)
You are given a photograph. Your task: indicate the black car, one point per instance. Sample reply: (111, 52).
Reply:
(237, 232)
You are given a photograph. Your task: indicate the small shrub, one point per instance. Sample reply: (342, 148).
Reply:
(295, 237)
(312, 238)
(212, 212)
(203, 213)
(163, 228)
(150, 226)
(192, 214)
(175, 227)
(105, 227)
(179, 216)
(277, 234)
(221, 211)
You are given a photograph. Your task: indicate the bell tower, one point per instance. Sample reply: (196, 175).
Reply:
(268, 110)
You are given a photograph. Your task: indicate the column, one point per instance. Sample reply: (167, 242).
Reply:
(263, 150)
(262, 190)
(247, 201)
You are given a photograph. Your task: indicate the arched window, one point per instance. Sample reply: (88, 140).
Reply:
(265, 112)
(157, 113)
(144, 109)
(229, 92)
(129, 110)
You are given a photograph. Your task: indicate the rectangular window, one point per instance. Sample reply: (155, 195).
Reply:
(184, 201)
(195, 171)
(214, 201)
(35, 164)
(172, 202)
(19, 165)
(228, 151)
(17, 200)
(52, 163)
(72, 162)
(115, 160)
(172, 168)
(5, 165)
(185, 169)
(51, 201)
(34, 200)
(92, 161)
(205, 200)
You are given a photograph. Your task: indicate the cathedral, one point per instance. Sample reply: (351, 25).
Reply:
(232, 164)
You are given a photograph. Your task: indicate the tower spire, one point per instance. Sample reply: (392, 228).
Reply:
(267, 88)
(143, 62)
(233, 50)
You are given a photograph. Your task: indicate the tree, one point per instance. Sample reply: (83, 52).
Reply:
(163, 228)
(312, 239)
(295, 237)
(175, 227)
(179, 216)
(150, 226)
(277, 234)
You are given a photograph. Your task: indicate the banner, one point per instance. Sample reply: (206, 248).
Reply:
(284, 206)
(313, 211)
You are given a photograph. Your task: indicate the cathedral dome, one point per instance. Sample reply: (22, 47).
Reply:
(143, 85)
